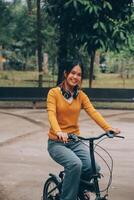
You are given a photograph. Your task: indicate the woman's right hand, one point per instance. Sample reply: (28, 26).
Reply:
(62, 136)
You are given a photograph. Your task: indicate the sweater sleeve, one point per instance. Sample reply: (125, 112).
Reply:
(51, 109)
(93, 113)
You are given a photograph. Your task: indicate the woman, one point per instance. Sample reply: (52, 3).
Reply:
(63, 105)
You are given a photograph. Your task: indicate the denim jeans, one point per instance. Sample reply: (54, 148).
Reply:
(75, 158)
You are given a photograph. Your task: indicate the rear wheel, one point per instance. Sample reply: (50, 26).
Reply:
(51, 190)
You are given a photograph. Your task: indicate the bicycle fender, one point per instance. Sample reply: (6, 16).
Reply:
(56, 178)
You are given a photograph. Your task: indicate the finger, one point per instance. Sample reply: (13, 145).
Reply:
(65, 139)
(60, 137)
(117, 131)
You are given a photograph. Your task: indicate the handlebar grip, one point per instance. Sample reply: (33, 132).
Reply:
(112, 134)
(73, 137)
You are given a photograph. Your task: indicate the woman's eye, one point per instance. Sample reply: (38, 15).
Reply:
(73, 73)
(79, 75)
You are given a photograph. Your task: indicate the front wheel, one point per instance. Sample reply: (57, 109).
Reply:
(51, 189)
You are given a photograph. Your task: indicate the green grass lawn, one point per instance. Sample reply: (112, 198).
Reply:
(110, 81)
(24, 79)
(30, 79)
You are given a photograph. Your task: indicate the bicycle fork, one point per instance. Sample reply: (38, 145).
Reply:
(93, 164)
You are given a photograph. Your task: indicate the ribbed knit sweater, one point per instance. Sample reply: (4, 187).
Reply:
(64, 115)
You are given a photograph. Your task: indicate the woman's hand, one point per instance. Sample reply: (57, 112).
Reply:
(62, 136)
(116, 131)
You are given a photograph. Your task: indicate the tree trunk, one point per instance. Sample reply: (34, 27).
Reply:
(29, 5)
(91, 70)
(39, 44)
(62, 54)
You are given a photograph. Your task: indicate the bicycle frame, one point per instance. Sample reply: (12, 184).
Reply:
(95, 175)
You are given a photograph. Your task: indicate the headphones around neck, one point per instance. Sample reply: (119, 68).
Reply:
(67, 93)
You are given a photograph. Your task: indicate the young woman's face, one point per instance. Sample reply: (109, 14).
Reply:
(74, 77)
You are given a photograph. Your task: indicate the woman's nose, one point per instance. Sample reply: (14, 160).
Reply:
(75, 76)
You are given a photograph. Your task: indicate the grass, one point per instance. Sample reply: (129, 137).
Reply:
(114, 105)
(24, 79)
(30, 79)
(111, 81)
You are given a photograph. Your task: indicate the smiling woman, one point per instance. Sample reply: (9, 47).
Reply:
(73, 75)
(64, 104)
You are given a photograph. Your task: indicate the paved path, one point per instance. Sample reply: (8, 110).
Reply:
(25, 163)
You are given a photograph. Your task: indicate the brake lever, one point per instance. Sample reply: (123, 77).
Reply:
(120, 136)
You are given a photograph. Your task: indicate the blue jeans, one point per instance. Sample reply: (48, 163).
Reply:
(75, 158)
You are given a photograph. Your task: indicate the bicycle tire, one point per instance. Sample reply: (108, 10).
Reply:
(51, 190)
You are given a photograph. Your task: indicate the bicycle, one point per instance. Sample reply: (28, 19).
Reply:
(53, 185)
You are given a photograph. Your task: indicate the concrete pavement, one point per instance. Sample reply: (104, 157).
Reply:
(25, 163)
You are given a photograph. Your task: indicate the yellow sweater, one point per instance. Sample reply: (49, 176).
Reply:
(63, 116)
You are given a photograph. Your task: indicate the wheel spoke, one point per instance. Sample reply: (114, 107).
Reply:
(51, 190)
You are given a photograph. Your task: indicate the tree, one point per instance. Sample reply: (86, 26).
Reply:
(94, 24)
(24, 31)
(55, 11)
(5, 23)
(38, 35)
(39, 41)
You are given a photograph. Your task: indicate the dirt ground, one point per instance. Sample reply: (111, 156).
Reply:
(25, 163)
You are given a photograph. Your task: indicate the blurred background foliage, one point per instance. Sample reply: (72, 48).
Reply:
(101, 31)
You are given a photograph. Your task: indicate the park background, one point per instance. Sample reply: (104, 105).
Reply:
(37, 37)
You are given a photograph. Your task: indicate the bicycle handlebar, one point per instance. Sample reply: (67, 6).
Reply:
(109, 134)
